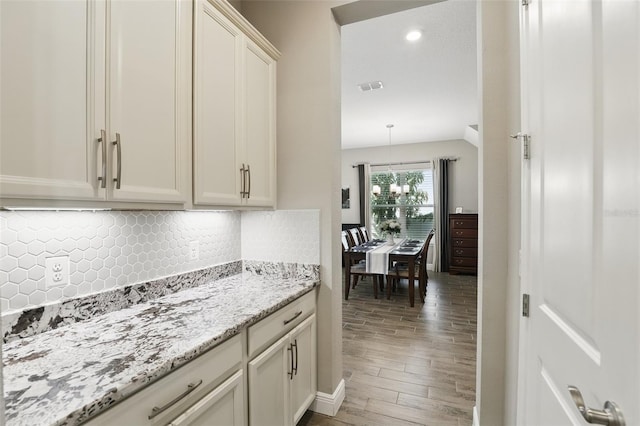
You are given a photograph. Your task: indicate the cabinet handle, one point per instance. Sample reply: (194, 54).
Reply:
(296, 315)
(103, 140)
(249, 179)
(290, 350)
(243, 182)
(190, 388)
(118, 145)
(295, 345)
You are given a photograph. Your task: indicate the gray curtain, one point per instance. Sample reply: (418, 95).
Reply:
(364, 187)
(442, 213)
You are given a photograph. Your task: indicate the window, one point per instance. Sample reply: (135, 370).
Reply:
(414, 210)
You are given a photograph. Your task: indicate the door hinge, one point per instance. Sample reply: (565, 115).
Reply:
(525, 3)
(525, 305)
(526, 144)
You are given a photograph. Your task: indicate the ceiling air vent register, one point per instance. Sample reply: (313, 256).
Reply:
(372, 85)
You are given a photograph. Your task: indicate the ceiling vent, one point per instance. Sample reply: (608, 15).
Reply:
(372, 85)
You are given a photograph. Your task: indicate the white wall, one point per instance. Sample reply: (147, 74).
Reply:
(308, 145)
(513, 277)
(499, 171)
(463, 173)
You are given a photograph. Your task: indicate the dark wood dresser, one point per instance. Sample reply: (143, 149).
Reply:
(463, 237)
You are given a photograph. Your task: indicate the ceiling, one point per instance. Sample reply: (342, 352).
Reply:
(430, 86)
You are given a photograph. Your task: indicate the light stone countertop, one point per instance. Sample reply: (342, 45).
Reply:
(65, 376)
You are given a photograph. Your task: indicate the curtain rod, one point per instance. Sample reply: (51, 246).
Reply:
(404, 162)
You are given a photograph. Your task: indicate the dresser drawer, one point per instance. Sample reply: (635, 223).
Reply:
(464, 242)
(279, 323)
(464, 252)
(459, 223)
(464, 233)
(464, 261)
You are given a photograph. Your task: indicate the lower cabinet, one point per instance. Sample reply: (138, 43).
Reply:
(207, 390)
(282, 379)
(275, 359)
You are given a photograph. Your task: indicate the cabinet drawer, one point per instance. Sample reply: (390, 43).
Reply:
(464, 261)
(464, 252)
(458, 223)
(277, 324)
(465, 242)
(211, 368)
(464, 233)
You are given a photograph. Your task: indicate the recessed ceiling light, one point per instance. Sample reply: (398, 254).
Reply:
(413, 35)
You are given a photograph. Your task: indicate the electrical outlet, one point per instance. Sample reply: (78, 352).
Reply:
(194, 250)
(56, 271)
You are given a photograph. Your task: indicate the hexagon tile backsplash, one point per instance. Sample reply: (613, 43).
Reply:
(106, 249)
(110, 250)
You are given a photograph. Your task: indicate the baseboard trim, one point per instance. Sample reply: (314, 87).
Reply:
(476, 422)
(329, 404)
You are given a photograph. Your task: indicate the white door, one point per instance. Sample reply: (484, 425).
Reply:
(581, 209)
(149, 98)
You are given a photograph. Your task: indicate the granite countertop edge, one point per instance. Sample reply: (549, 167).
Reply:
(125, 386)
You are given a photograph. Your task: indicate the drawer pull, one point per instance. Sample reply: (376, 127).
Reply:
(293, 318)
(190, 388)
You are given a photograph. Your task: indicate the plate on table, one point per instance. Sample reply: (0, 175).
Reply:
(411, 245)
(406, 249)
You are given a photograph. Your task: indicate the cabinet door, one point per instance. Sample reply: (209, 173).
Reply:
(149, 99)
(303, 385)
(269, 385)
(217, 108)
(260, 72)
(223, 406)
(52, 80)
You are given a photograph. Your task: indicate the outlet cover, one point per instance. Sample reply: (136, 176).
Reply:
(56, 271)
(194, 250)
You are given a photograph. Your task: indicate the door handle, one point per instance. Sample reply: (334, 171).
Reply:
(249, 180)
(118, 144)
(290, 350)
(103, 140)
(243, 182)
(295, 345)
(611, 415)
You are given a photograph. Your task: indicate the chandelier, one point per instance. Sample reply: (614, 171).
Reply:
(394, 189)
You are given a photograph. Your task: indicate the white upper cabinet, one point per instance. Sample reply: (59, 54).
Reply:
(217, 108)
(234, 110)
(150, 98)
(260, 77)
(76, 77)
(51, 90)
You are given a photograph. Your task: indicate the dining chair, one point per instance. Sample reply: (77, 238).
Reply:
(359, 269)
(364, 233)
(400, 271)
(355, 235)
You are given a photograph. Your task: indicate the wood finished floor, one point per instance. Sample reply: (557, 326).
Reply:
(408, 366)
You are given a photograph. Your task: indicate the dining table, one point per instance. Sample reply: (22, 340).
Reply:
(380, 255)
